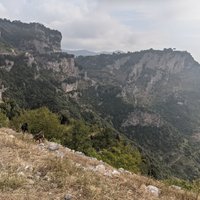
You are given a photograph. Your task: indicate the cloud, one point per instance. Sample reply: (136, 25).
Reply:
(114, 24)
(3, 11)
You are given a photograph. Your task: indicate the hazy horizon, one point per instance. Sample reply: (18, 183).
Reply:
(100, 25)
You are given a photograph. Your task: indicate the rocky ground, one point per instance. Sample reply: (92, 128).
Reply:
(29, 170)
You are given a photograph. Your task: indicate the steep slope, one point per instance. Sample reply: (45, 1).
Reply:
(153, 97)
(50, 171)
(39, 80)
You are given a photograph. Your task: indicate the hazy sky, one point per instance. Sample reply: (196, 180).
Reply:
(128, 25)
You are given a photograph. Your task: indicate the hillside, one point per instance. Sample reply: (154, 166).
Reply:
(50, 171)
(150, 98)
(153, 97)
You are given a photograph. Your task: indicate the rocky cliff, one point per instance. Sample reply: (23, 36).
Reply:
(153, 97)
(33, 37)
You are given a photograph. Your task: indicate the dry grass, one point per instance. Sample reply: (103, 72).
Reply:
(29, 171)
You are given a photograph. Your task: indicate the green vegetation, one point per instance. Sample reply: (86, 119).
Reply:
(3, 120)
(5, 48)
(102, 143)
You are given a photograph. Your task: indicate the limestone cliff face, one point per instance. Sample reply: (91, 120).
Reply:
(32, 37)
(37, 47)
(158, 74)
(144, 76)
(60, 63)
(143, 119)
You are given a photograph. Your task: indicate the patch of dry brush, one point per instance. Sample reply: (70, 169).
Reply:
(30, 171)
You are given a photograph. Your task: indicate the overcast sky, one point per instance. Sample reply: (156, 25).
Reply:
(109, 25)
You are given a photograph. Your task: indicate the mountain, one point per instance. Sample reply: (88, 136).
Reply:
(87, 53)
(32, 37)
(81, 52)
(151, 97)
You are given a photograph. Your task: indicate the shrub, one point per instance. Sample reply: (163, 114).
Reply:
(41, 120)
(3, 120)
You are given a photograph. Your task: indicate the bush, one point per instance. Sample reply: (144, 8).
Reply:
(3, 120)
(41, 120)
(122, 157)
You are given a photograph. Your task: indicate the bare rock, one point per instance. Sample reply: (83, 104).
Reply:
(176, 187)
(153, 190)
(68, 197)
(100, 168)
(53, 146)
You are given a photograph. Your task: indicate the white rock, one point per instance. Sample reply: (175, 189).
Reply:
(67, 149)
(121, 170)
(176, 187)
(53, 146)
(108, 173)
(115, 173)
(68, 197)
(100, 168)
(154, 190)
(91, 158)
(80, 153)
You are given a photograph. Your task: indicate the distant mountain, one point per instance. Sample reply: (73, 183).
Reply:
(89, 53)
(81, 52)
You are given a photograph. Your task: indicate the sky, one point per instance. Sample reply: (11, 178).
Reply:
(110, 25)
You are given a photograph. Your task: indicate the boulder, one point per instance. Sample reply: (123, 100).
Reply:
(68, 197)
(53, 146)
(100, 168)
(153, 190)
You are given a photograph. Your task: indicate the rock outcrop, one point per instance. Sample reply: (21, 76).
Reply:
(33, 37)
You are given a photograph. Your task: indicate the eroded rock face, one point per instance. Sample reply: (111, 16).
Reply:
(144, 76)
(143, 119)
(33, 37)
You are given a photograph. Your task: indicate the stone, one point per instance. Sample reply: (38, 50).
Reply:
(108, 173)
(80, 153)
(176, 187)
(153, 190)
(121, 170)
(67, 149)
(115, 173)
(100, 168)
(53, 146)
(68, 197)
